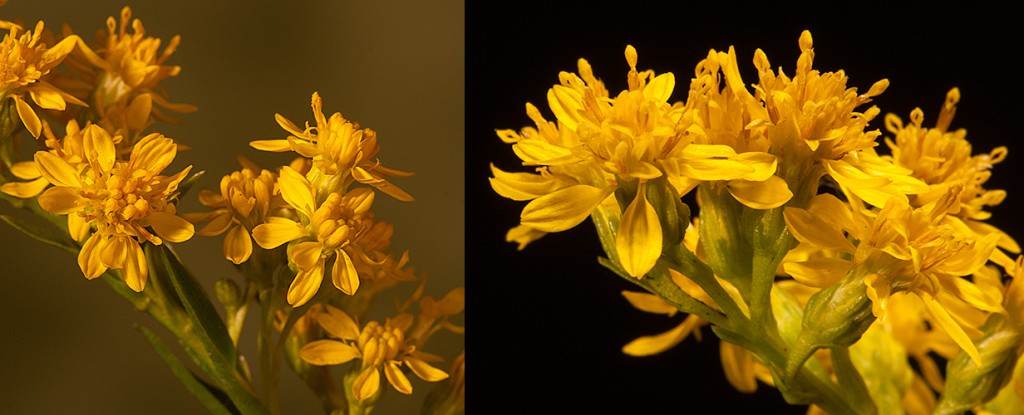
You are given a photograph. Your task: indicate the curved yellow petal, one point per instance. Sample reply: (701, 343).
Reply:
(565, 103)
(819, 273)
(327, 352)
(60, 200)
(338, 323)
(237, 245)
(25, 170)
(25, 190)
(305, 255)
(651, 345)
(523, 235)
(738, 365)
(153, 153)
(28, 116)
(136, 270)
(768, 194)
(943, 319)
(306, 284)
(89, 258)
(521, 186)
(296, 190)
(99, 147)
(660, 88)
(170, 227)
(344, 273)
(650, 303)
(56, 170)
(48, 97)
(396, 378)
(220, 223)
(811, 229)
(367, 383)
(276, 146)
(564, 209)
(78, 227)
(277, 231)
(424, 370)
(638, 240)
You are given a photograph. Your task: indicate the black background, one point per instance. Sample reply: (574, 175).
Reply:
(547, 324)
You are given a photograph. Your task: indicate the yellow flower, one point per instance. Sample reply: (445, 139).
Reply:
(377, 346)
(24, 61)
(338, 147)
(130, 69)
(943, 159)
(245, 200)
(326, 230)
(899, 249)
(121, 200)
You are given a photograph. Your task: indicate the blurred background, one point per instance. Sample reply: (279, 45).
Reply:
(555, 317)
(67, 345)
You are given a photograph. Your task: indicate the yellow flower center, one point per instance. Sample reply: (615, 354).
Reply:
(380, 343)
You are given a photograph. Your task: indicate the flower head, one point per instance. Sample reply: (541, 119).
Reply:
(377, 346)
(339, 149)
(24, 62)
(331, 229)
(125, 202)
(246, 199)
(129, 68)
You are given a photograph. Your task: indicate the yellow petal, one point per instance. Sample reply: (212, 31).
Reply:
(344, 273)
(425, 371)
(537, 151)
(651, 345)
(715, 169)
(277, 231)
(153, 153)
(521, 186)
(287, 125)
(397, 379)
(649, 302)
(61, 49)
(305, 255)
(367, 383)
(338, 323)
(60, 200)
(295, 190)
(28, 116)
(523, 235)
(768, 194)
(304, 148)
(220, 223)
(89, 258)
(237, 245)
(170, 227)
(135, 271)
(563, 209)
(811, 229)
(137, 113)
(25, 190)
(738, 365)
(277, 146)
(78, 227)
(56, 170)
(954, 330)
(99, 147)
(306, 284)
(638, 241)
(763, 164)
(327, 352)
(660, 88)
(25, 170)
(565, 103)
(819, 273)
(48, 97)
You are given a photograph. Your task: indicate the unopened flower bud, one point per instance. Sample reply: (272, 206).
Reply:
(228, 294)
(969, 385)
(835, 317)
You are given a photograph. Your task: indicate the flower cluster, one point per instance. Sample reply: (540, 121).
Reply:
(809, 241)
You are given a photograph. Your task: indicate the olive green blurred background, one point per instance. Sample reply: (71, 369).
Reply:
(67, 345)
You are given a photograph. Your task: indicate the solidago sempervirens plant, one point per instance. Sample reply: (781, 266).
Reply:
(104, 188)
(827, 255)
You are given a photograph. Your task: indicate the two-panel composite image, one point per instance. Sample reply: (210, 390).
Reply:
(647, 208)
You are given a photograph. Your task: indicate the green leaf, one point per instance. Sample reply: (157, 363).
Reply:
(221, 358)
(201, 391)
(187, 184)
(43, 235)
